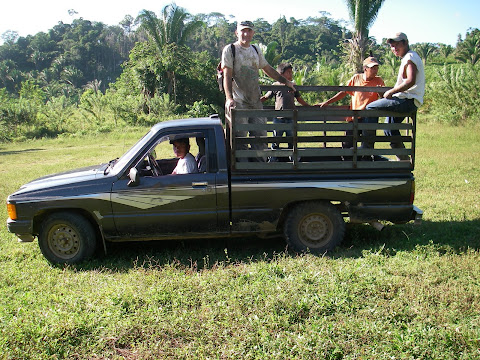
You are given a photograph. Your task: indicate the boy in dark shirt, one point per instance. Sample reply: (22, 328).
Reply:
(284, 100)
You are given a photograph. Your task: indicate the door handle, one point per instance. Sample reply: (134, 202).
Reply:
(199, 184)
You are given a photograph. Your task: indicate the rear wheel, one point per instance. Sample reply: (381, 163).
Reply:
(66, 238)
(314, 226)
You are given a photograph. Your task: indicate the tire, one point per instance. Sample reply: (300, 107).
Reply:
(314, 226)
(66, 238)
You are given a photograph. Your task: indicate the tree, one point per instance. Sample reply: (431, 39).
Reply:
(391, 62)
(169, 33)
(270, 53)
(363, 14)
(445, 50)
(9, 36)
(425, 50)
(173, 26)
(10, 76)
(468, 50)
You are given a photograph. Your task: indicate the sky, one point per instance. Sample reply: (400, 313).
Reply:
(432, 21)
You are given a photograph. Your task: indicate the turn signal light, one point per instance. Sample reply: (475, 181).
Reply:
(12, 211)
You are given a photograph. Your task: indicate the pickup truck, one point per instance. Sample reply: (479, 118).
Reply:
(306, 196)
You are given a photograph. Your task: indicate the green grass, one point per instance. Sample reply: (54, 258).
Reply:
(408, 292)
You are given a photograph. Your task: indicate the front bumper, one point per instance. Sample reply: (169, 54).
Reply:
(22, 228)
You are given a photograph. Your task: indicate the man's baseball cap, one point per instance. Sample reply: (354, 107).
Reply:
(399, 36)
(370, 62)
(246, 24)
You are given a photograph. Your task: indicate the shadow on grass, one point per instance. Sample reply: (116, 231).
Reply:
(199, 254)
(449, 236)
(16, 152)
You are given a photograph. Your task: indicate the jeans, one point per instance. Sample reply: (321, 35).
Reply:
(252, 133)
(348, 142)
(281, 132)
(393, 104)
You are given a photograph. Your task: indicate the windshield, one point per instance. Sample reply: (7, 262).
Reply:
(125, 158)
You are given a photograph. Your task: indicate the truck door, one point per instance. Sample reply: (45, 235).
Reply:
(165, 205)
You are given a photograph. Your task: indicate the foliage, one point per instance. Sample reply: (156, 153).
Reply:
(390, 66)
(68, 55)
(148, 74)
(425, 50)
(304, 41)
(323, 74)
(16, 114)
(93, 106)
(56, 114)
(161, 106)
(169, 34)
(174, 27)
(89, 77)
(454, 90)
(468, 50)
(200, 109)
(270, 53)
(445, 50)
(363, 14)
(125, 108)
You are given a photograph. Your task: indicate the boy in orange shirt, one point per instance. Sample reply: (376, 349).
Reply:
(359, 99)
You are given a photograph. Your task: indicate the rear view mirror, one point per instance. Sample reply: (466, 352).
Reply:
(134, 177)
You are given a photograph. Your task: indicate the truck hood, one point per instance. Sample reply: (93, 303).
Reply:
(67, 178)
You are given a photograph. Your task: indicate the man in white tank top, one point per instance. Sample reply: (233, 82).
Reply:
(407, 94)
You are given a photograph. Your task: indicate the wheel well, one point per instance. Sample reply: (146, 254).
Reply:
(283, 216)
(39, 218)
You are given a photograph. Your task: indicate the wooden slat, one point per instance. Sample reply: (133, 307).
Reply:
(316, 113)
(379, 89)
(333, 165)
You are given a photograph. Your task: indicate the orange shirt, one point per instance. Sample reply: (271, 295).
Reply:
(361, 99)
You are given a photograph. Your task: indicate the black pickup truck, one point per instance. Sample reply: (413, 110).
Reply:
(306, 196)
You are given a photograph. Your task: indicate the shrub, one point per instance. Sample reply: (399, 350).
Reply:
(200, 109)
(161, 107)
(453, 93)
(15, 113)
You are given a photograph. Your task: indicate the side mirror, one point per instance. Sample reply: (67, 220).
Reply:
(134, 177)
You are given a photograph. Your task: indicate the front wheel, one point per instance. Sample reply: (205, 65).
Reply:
(66, 238)
(314, 226)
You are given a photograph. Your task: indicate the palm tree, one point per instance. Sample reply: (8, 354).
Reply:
(171, 30)
(270, 53)
(172, 27)
(445, 50)
(425, 50)
(363, 14)
(93, 85)
(468, 50)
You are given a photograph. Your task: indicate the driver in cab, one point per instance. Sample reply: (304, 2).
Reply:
(186, 162)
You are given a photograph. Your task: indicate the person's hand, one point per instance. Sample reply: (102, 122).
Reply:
(290, 84)
(388, 94)
(230, 104)
(323, 104)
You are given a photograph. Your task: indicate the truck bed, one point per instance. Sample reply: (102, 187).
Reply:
(317, 140)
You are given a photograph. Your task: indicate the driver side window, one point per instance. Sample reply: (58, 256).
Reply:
(170, 151)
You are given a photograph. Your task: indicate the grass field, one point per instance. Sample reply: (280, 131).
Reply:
(408, 292)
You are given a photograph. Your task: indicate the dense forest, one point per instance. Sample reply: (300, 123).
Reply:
(87, 76)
